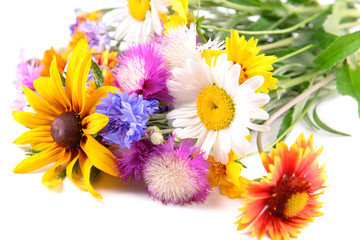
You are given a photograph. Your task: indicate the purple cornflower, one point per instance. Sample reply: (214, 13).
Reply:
(143, 70)
(96, 34)
(177, 175)
(127, 115)
(27, 72)
(130, 166)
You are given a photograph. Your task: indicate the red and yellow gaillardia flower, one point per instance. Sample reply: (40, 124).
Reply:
(63, 124)
(245, 53)
(286, 199)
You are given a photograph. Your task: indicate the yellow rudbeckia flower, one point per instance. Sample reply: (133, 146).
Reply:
(63, 124)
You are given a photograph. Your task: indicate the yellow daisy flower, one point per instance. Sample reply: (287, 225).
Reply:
(179, 17)
(227, 177)
(245, 53)
(63, 123)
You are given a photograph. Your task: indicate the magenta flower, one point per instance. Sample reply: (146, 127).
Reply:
(143, 70)
(27, 72)
(130, 166)
(177, 175)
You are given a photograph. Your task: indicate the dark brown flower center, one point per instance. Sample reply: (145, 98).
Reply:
(66, 129)
(289, 197)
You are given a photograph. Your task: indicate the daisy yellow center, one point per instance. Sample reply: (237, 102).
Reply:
(139, 8)
(66, 129)
(295, 204)
(289, 197)
(215, 108)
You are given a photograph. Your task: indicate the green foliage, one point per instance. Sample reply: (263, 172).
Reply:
(341, 48)
(322, 125)
(30, 152)
(286, 123)
(348, 82)
(97, 74)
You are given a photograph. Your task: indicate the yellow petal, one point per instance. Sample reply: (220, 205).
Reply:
(94, 122)
(39, 104)
(209, 54)
(51, 89)
(36, 137)
(95, 98)
(233, 171)
(32, 120)
(229, 189)
(86, 166)
(73, 175)
(40, 160)
(99, 155)
(50, 177)
(77, 74)
(180, 7)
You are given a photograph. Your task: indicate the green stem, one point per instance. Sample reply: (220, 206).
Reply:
(270, 32)
(166, 131)
(306, 10)
(294, 123)
(289, 105)
(349, 25)
(295, 53)
(296, 81)
(351, 13)
(278, 44)
(158, 116)
(239, 7)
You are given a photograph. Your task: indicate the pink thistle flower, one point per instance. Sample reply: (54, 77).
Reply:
(143, 70)
(177, 175)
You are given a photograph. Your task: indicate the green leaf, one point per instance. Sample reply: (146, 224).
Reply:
(332, 22)
(323, 38)
(341, 48)
(286, 123)
(30, 152)
(97, 74)
(94, 173)
(326, 127)
(61, 174)
(310, 122)
(62, 79)
(348, 82)
(257, 3)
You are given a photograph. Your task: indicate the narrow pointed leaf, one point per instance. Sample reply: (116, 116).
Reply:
(326, 127)
(341, 48)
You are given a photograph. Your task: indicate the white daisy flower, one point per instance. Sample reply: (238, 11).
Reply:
(211, 106)
(181, 43)
(136, 20)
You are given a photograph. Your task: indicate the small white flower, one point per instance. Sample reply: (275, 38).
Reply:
(181, 43)
(136, 20)
(211, 106)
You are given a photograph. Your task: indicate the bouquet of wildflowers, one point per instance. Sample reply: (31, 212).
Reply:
(170, 94)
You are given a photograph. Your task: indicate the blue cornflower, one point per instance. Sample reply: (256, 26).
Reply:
(128, 115)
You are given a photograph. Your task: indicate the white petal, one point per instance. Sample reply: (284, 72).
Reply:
(253, 83)
(260, 114)
(185, 122)
(222, 147)
(209, 141)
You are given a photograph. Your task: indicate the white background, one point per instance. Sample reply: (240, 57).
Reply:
(28, 210)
